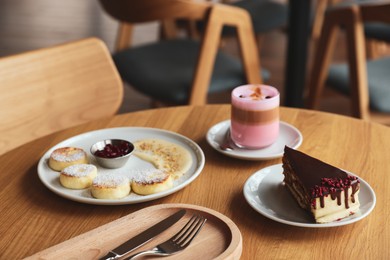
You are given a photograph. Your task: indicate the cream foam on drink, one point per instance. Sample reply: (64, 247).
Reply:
(255, 116)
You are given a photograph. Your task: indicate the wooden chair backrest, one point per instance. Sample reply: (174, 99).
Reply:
(375, 12)
(351, 20)
(129, 12)
(138, 11)
(320, 7)
(47, 90)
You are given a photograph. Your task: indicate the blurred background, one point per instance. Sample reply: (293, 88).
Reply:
(28, 25)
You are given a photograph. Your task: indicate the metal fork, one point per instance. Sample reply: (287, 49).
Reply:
(180, 241)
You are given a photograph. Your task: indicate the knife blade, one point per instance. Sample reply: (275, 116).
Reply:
(143, 237)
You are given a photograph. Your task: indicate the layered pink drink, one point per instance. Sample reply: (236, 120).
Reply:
(255, 116)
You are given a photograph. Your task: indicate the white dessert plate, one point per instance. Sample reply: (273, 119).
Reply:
(288, 135)
(265, 193)
(50, 178)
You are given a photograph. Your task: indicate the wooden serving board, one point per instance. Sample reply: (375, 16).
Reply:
(219, 239)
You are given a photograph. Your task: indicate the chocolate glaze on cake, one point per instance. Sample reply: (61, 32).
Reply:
(309, 178)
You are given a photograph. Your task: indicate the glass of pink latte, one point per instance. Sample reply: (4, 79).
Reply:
(254, 116)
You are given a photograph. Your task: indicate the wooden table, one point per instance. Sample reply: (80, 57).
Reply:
(33, 218)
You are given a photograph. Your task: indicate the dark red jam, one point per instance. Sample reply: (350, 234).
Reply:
(113, 151)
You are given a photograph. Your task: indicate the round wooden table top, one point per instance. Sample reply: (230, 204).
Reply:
(33, 218)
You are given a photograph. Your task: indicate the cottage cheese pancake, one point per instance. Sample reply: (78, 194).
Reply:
(148, 182)
(166, 156)
(110, 186)
(78, 176)
(67, 156)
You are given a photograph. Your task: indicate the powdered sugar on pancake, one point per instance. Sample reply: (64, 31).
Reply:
(79, 170)
(110, 180)
(149, 176)
(68, 154)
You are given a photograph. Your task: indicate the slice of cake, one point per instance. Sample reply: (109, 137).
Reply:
(325, 191)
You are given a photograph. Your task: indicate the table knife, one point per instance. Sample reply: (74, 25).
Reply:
(143, 237)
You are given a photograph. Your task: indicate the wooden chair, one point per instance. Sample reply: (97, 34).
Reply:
(266, 16)
(367, 82)
(51, 89)
(377, 33)
(184, 71)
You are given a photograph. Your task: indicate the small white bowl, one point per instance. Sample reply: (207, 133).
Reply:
(116, 161)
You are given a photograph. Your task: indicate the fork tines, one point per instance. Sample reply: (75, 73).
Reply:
(185, 236)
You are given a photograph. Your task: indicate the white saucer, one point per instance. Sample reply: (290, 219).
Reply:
(288, 135)
(265, 193)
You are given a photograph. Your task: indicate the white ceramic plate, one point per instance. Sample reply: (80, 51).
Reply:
(266, 194)
(50, 178)
(288, 135)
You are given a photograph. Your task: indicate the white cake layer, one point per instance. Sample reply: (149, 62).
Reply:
(332, 211)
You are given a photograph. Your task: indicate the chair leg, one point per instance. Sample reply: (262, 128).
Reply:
(219, 16)
(372, 49)
(123, 41)
(357, 67)
(322, 58)
(168, 29)
(319, 12)
(376, 48)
